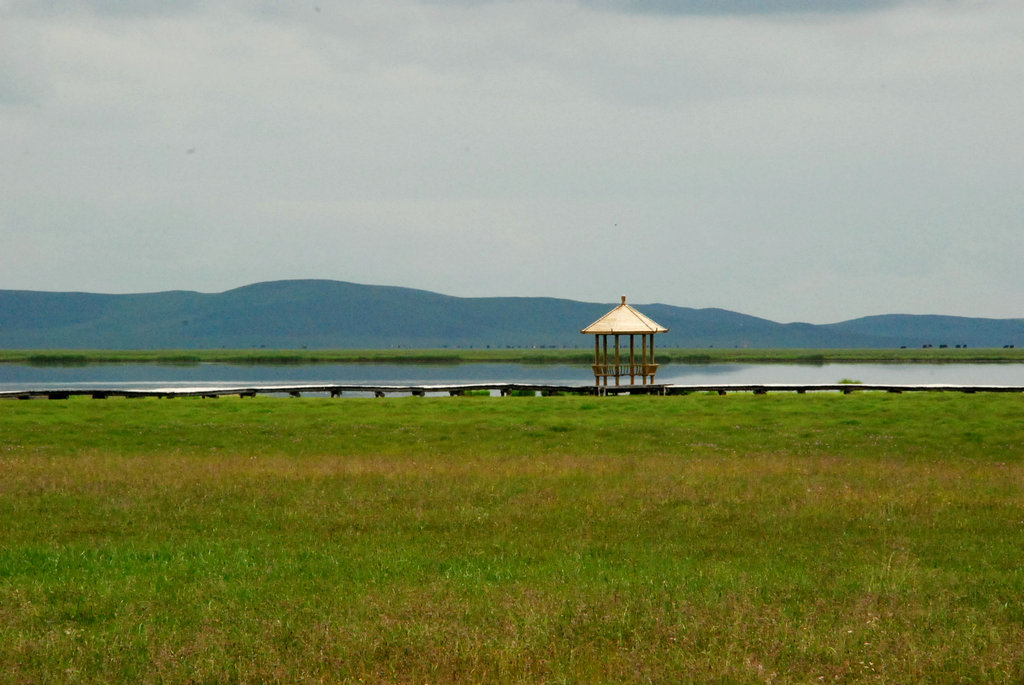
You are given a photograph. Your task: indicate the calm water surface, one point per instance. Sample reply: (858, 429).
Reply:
(141, 376)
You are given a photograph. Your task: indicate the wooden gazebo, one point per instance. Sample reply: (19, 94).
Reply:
(624, 320)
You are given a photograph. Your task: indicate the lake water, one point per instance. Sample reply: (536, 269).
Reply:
(142, 376)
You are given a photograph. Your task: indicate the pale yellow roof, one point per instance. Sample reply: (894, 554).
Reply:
(624, 319)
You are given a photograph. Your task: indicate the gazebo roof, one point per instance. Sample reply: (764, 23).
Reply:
(624, 319)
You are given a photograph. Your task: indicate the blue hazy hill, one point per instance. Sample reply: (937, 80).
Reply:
(322, 314)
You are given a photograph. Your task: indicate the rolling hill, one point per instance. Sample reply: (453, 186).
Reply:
(323, 314)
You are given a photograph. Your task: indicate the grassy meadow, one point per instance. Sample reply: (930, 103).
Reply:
(778, 538)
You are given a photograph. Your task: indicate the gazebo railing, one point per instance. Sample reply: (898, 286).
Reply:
(624, 369)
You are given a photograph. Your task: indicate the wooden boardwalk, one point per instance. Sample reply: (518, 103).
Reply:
(503, 389)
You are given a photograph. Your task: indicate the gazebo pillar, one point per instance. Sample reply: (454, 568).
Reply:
(643, 355)
(652, 365)
(604, 359)
(617, 367)
(632, 362)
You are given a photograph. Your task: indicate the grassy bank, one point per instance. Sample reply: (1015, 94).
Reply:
(517, 356)
(825, 538)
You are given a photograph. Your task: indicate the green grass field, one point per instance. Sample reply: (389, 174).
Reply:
(779, 538)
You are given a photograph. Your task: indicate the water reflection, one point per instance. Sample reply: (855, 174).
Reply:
(23, 376)
(883, 374)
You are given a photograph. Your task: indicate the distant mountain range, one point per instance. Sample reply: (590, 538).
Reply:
(322, 314)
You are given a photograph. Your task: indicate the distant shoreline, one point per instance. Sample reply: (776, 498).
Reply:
(510, 356)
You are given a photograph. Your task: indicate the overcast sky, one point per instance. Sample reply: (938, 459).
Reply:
(773, 158)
